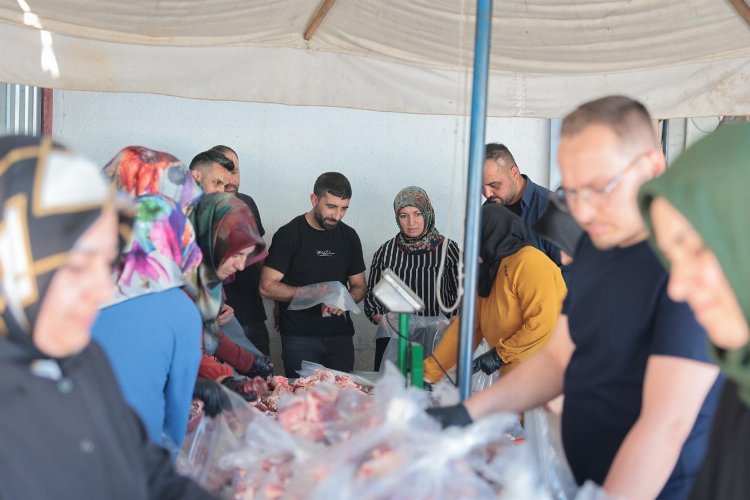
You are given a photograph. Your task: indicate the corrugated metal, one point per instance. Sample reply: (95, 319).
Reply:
(20, 105)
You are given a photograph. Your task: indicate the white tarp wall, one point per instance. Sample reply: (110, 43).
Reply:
(681, 57)
(283, 149)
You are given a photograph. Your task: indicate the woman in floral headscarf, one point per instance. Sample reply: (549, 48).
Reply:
(66, 430)
(152, 333)
(138, 171)
(226, 234)
(414, 254)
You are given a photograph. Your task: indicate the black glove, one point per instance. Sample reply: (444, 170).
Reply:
(263, 367)
(448, 416)
(489, 362)
(213, 396)
(242, 386)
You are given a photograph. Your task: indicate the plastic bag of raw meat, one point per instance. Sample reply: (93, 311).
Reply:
(408, 456)
(543, 435)
(395, 411)
(325, 412)
(268, 461)
(209, 439)
(424, 330)
(330, 293)
(308, 424)
(317, 373)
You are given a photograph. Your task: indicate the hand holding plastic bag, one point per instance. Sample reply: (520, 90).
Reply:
(330, 293)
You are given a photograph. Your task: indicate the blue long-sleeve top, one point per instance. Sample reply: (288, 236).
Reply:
(154, 345)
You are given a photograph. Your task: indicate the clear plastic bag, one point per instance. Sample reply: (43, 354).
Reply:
(211, 439)
(543, 435)
(424, 330)
(330, 293)
(393, 450)
(592, 491)
(268, 461)
(406, 455)
(310, 369)
(325, 413)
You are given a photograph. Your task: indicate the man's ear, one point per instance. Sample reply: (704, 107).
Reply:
(515, 171)
(313, 199)
(656, 162)
(196, 175)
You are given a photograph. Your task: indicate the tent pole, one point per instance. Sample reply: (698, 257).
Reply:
(317, 19)
(474, 188)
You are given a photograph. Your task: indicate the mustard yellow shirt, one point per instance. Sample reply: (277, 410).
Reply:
(518, 316)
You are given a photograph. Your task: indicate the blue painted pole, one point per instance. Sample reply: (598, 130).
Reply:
(473, 200)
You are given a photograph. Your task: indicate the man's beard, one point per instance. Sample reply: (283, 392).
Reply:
(328, 225)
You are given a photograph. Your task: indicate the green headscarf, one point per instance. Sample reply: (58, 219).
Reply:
(224, 225)
(708, 184)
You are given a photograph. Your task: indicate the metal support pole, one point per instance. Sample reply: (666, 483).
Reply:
(473, 205)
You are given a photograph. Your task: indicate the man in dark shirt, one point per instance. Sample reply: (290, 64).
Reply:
(503, 183)
(242, 293)
(639, 389)
(211, 171)
(316, 247)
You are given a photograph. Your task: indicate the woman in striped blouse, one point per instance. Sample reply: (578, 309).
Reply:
(414, 254)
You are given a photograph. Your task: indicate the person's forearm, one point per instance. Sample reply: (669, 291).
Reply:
(276, 290)
(358, 292)
(232, 354)
(534, 382)
(644, 461)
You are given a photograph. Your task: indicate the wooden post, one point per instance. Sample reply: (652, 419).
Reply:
(742, 9)
(317, 19)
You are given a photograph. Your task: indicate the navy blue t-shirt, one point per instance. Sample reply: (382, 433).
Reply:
(619, 314)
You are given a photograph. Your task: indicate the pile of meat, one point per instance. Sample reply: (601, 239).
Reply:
(329, 442)
(270, 392)
(333, 438)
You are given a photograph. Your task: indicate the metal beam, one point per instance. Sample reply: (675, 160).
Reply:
(474, 188)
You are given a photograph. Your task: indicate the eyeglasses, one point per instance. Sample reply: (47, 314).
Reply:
(563, 198)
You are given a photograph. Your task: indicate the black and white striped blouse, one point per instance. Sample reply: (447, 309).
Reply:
(419, 271)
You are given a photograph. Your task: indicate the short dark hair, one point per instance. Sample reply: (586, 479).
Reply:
(626, 117)
(333, 183)
(224, 150)
(499, 153)
(203, 161)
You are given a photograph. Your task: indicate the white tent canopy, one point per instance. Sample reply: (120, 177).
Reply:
(681, 57)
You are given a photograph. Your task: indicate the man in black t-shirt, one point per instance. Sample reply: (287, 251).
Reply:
(242, 292)
(314, 248)
(639, 388)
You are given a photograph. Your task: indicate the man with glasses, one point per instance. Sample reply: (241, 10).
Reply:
(639, 389)
(503, 183)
